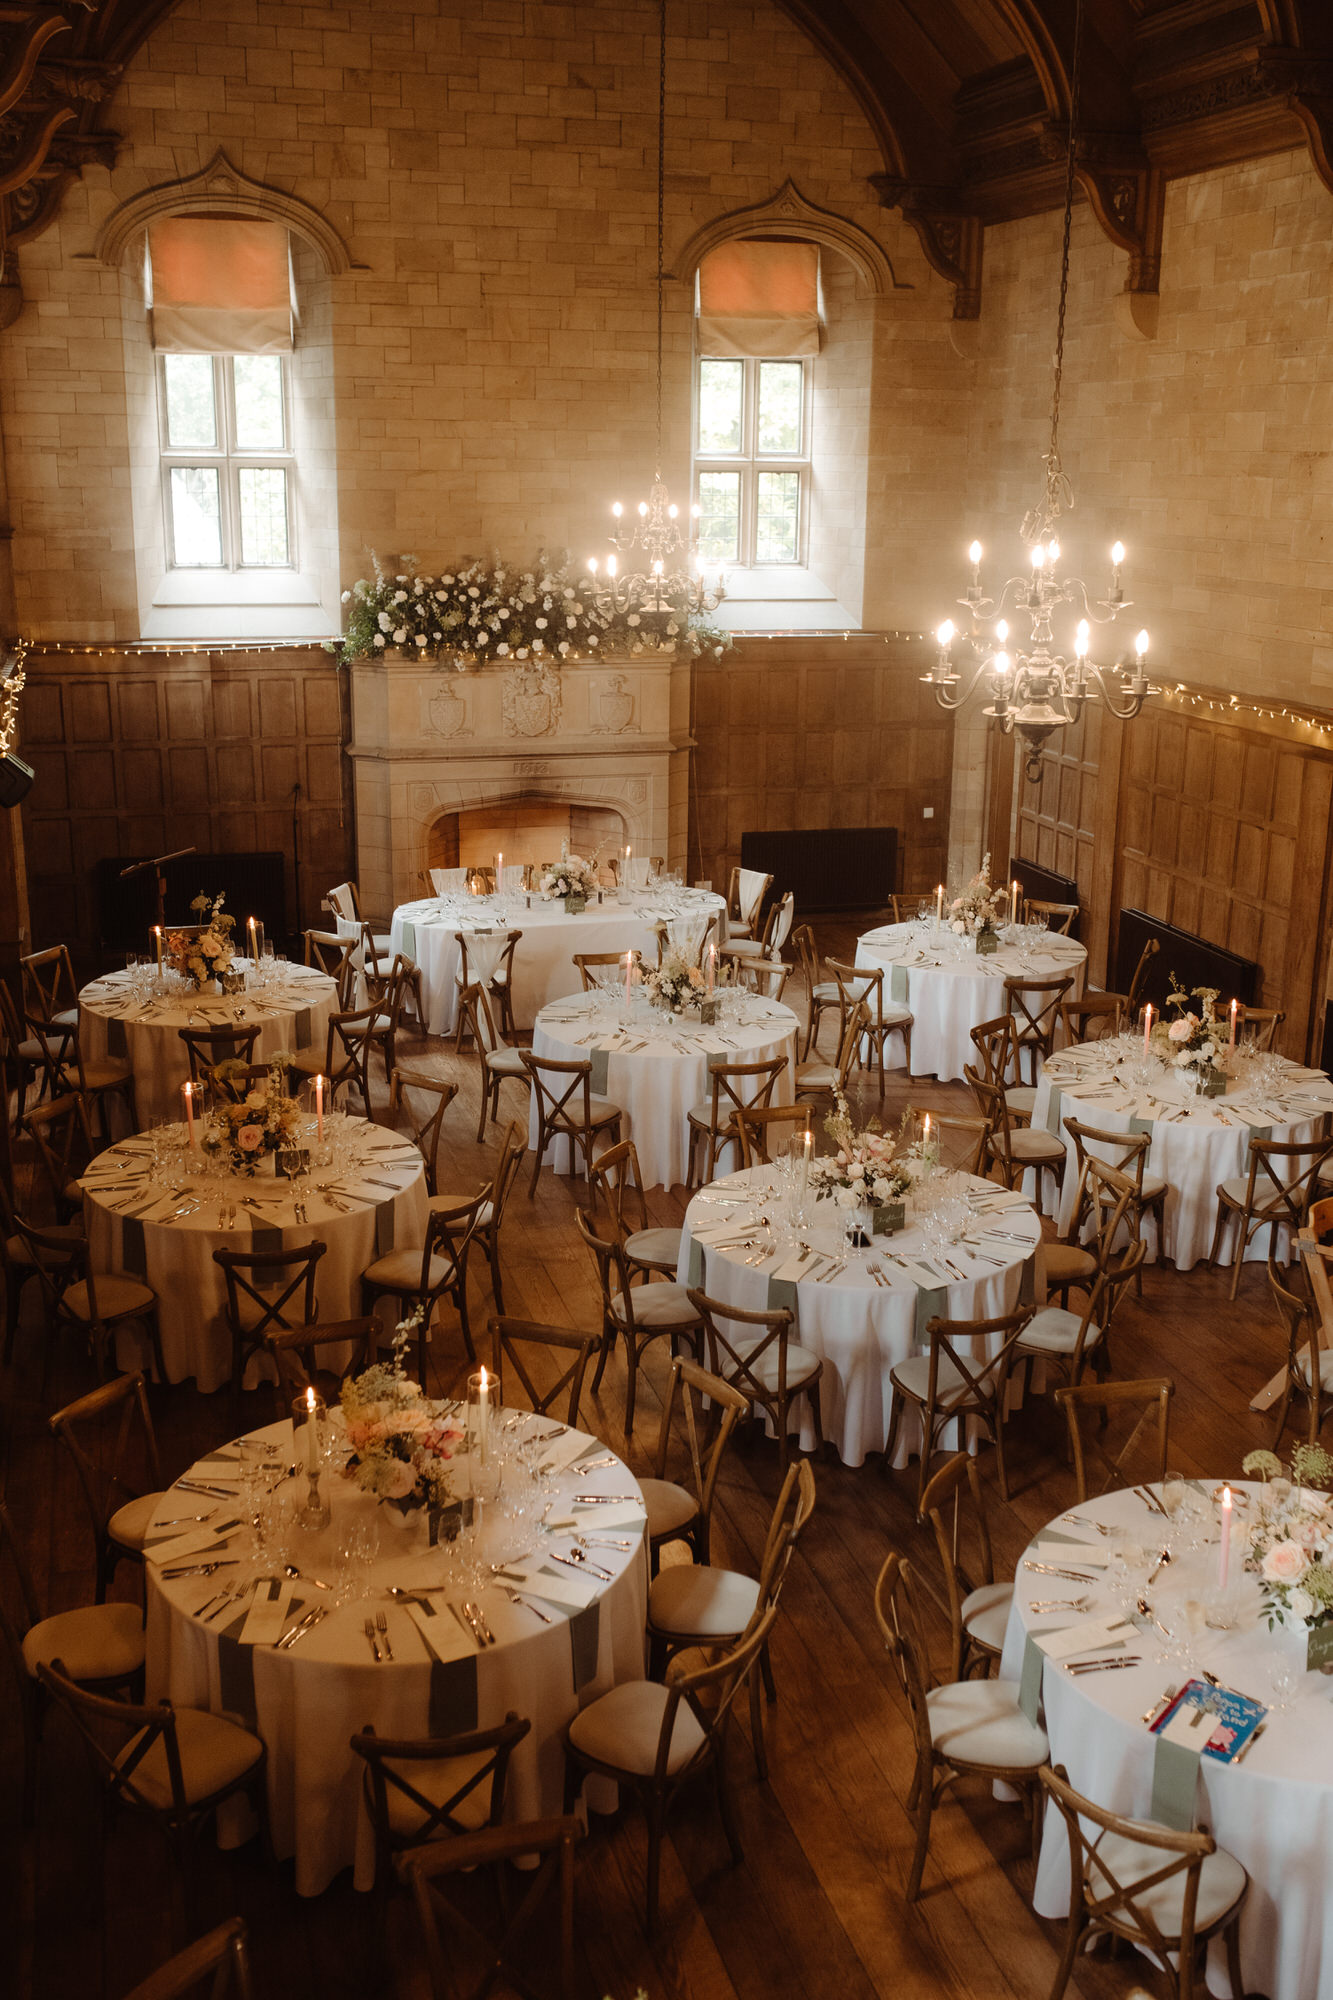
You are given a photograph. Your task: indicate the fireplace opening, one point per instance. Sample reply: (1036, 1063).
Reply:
(525, 829)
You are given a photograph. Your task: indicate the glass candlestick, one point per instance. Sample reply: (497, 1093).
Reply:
(309, 1431)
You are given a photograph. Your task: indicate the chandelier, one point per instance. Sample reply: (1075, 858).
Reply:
(663, 580)
(1033, 686)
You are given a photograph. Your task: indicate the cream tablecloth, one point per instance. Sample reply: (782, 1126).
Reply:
(1273, 1811)
(543, 960)
(378, 1204)
(860, 1328)
(657, 1071)
(949, 990)
(1197, 1142)
(307, 1702)
(292, 1013)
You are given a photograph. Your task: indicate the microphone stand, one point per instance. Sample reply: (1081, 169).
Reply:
(156, 863)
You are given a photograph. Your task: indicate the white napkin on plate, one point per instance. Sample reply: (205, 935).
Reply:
(267, 1620)
(443, 1634)
(1087, 1635)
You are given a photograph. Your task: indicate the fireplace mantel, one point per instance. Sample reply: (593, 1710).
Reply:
(428, 739)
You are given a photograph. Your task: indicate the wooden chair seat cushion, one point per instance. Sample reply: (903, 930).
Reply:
(1020, 1098)
(654, 1246)
(450, 1204)
(1154, 1187)
(1234, 1193)
(1068, 1264)
(601, 1111)
(669, 1507)
(657, 1306)
(103, 1075)
(895, 1016)
(506, 1062)
(438, 1780)
(802, 1365)
(98, 1642)
(985, 1613)
(400, 1271)
(1222, 1881)
(119, 1296)
(826, 992)
(980, 1722)
(817, 1076)
(623, 1729)
(701, 1116)
(1054, 1330)
(21, 1254)
(129, 1524)
(696, 1601)
(1033, 1147)
(312, 1061)
(214, 1754)
(913, 1378)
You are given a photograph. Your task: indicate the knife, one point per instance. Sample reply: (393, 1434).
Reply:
(471, 1617)
(1050, 1569)
(471, 1630)
(584, 1568)
(484, 1629)
(285, 1638)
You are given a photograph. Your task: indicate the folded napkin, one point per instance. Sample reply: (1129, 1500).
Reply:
(616, 1516)
(267, 1619)
(1086, 1636)
(191, 1542)
(567, 1587)
(443, 1634)
(563, 1451)
(1070, 1556)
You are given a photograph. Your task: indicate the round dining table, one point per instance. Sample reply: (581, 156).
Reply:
(657, 1067)
(576, 1631)
(427, 932)
(950, 987)
(863, 1311)
(1272, 1808)
(1197, 1142)
(368, 1199)
(291, 1012)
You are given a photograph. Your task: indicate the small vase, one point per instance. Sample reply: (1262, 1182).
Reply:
(575, 905)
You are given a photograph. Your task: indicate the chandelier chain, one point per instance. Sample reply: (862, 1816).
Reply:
(661, 203)
(1054, 474)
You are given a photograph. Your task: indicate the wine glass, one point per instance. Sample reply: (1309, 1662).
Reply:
(1285, 1675)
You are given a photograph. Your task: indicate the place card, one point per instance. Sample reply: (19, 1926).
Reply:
(1069, 1556)
(441, 1631)
(191, 1543)
(1089, 1635)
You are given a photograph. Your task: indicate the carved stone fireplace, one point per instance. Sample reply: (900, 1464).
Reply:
(428, 740)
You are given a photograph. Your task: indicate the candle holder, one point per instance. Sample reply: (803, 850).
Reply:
(316, 1513)
(481, 1406)
(309, 1433)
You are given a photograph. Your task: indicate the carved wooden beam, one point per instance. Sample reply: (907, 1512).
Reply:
(950, 235)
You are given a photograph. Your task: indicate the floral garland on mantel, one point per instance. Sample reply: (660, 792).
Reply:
(482, 612)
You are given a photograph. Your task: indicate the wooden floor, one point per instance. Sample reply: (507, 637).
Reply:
(817, 1907)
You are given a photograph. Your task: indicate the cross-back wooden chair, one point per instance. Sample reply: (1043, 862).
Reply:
(1035, 1006)
(19, 1261)
(567, 1109)
(423, 1127)
(231, 1083)
(119, 1507)
(444, 1918)
(90, 1302)
(345, 1059)
(965, 1150)
(691, 1715)
(371, 941)
(50, 991)
(495, 1197)
(498, 983)
(950, 1384)
(822, 1079)
(1126, 1155)
(1080, 1251)
(1305, 1307)
(761, 1128)
(1275, 1194)
(390, 989)
(523, 1343)
(1065, 1339)
(1059, 917)
(296, 1351)
(498, 1060)
(776, 930)
(66, 1068)
(205, 1047)
(765, 1363)
(993, 1041)
(1259, 1025)
(172, 1766)
(1093, 1018)
(1014, 1150)
(421, 1789)
(334, 955)
(62, 1135)
(821, 994)
(1150, 1398)
(20, 1053)
(704, 1410)
(1166, 1892)
(765, 976)
(424, 1274)
(882, 1018)
(745, 900)
(955, 1505)
(223, 1953)
(255, 1304)
(972, 1728)
(712, 1124)
(589, 964)
(1140, 979)
(637, 1315)
(615, 1178)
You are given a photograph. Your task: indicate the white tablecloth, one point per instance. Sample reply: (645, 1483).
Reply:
(292, 1013)
(307, 1702)
(862, 1329)
(129, 1226)
(1197, 1142)
(1273, 1811)
(949, 990)
(543, 959)
(657, 1086)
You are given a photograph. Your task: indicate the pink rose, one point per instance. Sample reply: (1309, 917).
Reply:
(1286, 1562)
(1180, 1031)
(250, 1138)
(1307, 1533)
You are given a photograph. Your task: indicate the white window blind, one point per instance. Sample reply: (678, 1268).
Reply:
(220, 286)
(759, 299)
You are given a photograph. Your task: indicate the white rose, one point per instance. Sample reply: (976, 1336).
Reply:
(383, 621)
(1300, 1604)
(856, 1171)
(502, 650)
(379, 638)
(346, 597)
(882, 1190)
(541, 624)
(421, 638)
(958, 925)
(848, 1198)
(1286, 1562)
(400, 633)
(400, 597)
(1180, 1031)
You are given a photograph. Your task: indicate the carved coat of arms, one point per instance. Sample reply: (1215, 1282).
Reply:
(615, 708)
(530, 700)
(448, 714)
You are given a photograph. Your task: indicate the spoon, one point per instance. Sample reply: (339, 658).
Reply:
(1145, 1610)
(290, 1569)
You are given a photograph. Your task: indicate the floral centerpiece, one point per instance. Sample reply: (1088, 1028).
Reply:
(1290, 1547)
(973, 914)
(865, 1175)
(239, 1136)
(402, 1442)
(1193, 1042)
(677, 983)
(203, 952)
(573, 879)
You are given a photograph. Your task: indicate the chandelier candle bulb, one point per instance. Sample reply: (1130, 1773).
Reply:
(1224, 1548)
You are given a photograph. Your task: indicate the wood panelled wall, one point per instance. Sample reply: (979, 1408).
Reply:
(825, 732)
(1218, 828)
(139, 753)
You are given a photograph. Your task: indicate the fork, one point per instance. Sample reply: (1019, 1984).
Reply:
(382, 1627)
(372, 1641)
(876, 1272)
(526, 1602)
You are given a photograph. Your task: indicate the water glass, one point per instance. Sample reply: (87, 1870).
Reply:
(1285, 1674)
(354, 1556)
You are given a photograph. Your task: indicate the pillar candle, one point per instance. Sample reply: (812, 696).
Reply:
(499, 874)
(939, 902)
(629, 977)
(480, 1393)
(711, 975)
(187, 1090)
(319, 1107)
(1224, 1548)
(1234, 1005)
(1147, 1027)
(807, 1152)
(157, 933)
(1013, 902)
(254, 940)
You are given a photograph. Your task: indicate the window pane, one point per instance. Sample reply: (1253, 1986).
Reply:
(263, 514)
(721, 386)
(778, 504)
(719, 516)
(780, 386)
(196, 515)
(192, 423)
(259, 417)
